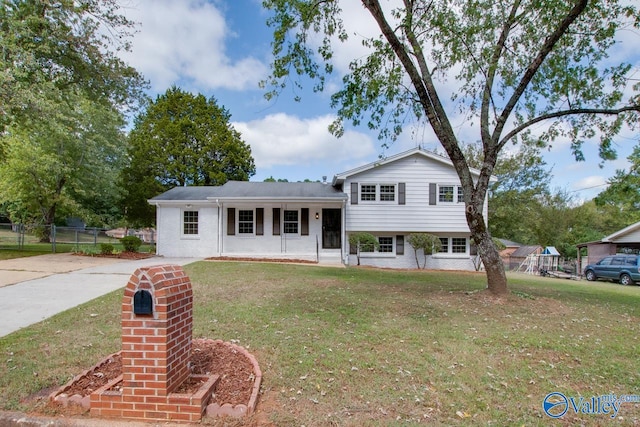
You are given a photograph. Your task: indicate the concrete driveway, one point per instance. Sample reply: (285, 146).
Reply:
(35, 288)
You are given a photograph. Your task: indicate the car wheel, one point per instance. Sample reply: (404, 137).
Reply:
(625, 279)
(590, 275)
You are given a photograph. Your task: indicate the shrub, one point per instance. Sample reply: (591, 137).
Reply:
(106, 248)
(363, 242)
(429, 244)
(131, 243)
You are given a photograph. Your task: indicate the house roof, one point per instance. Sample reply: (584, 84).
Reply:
(341, 177)
(240, 190)
(524, 251)
(618, 234)
(510, 243)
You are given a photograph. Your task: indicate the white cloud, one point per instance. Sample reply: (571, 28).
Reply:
(283, 140)
(184, 42)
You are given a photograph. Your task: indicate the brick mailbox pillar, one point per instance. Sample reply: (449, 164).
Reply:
(157, 311)
(156, 330)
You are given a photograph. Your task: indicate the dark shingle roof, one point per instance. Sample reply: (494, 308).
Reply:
(254, 190)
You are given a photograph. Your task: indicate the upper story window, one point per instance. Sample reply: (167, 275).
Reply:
(245, 221)
(387, 193)
(378, 192)
(190, 222)
(445, 194)
(291, 222)
(367, 192)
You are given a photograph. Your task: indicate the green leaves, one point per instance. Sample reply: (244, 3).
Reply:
(181, 139)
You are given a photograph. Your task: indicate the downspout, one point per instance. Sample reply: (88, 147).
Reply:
(343, 247)
(220, 240)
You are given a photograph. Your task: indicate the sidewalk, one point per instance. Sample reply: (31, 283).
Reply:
(35, 288)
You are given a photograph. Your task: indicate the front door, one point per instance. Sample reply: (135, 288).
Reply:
(331, 228)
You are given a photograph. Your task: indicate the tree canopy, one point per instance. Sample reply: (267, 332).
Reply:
(181, 139)
(524, 71)
(623, 192)
(63, 95)
(52, 49)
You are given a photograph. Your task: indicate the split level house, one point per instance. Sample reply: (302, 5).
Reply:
(412, 192)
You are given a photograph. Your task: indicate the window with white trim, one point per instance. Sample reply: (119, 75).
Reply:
(385, 244)
(460, 194)
(190, 222)
(458, 245)
(245, 221)
(291, 222)
(387, 193)
(368, 193)
(445, 194)
(444, 245)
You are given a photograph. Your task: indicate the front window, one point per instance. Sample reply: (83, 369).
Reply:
(386, 244)
(190, 222)
(444, 244)
(458, 245)
(291, 222)
(445, 193)
(460, 194)
(387, 193)
(245, 222)
(368, 193)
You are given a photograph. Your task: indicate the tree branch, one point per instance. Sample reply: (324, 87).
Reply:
(428, 97)
(564, 113)
(545, 50)
(493, 67)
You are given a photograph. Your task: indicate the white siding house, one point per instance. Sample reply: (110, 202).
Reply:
(412, 192)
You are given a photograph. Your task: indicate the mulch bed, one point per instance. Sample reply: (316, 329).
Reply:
(207, 357)
(121, 255)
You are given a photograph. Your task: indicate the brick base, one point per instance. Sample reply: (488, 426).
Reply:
(108, 403)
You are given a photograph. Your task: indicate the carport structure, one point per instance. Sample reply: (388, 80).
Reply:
(626, 240)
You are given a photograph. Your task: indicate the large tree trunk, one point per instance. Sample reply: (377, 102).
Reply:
(496, 277)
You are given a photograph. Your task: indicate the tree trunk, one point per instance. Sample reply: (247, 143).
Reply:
(496, 277)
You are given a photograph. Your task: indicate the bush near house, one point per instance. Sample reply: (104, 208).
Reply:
(131, 243)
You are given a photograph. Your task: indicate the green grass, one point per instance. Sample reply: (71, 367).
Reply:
(366, 347)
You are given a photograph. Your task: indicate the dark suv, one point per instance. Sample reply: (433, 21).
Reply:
(622, 268)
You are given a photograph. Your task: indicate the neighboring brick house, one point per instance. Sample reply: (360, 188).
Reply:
(411, 192)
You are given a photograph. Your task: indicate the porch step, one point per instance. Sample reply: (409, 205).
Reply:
(330, 259)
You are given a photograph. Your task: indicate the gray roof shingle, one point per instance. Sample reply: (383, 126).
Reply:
(254, 190)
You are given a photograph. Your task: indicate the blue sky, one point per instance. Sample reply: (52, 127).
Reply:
(222, 49)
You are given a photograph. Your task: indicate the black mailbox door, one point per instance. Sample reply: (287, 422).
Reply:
(142, 302)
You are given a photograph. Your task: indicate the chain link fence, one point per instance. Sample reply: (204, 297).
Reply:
(24, 237)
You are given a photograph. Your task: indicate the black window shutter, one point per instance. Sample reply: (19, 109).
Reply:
(304, 221)
(259, 221)
(402, 193)
(231, 221)
(276, 221)
(354, 193)
(399, 245)
(432, 193)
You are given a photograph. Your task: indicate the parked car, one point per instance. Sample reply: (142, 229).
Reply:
(621, 268)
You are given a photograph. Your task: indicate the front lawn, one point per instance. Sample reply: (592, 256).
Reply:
(360, 346)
